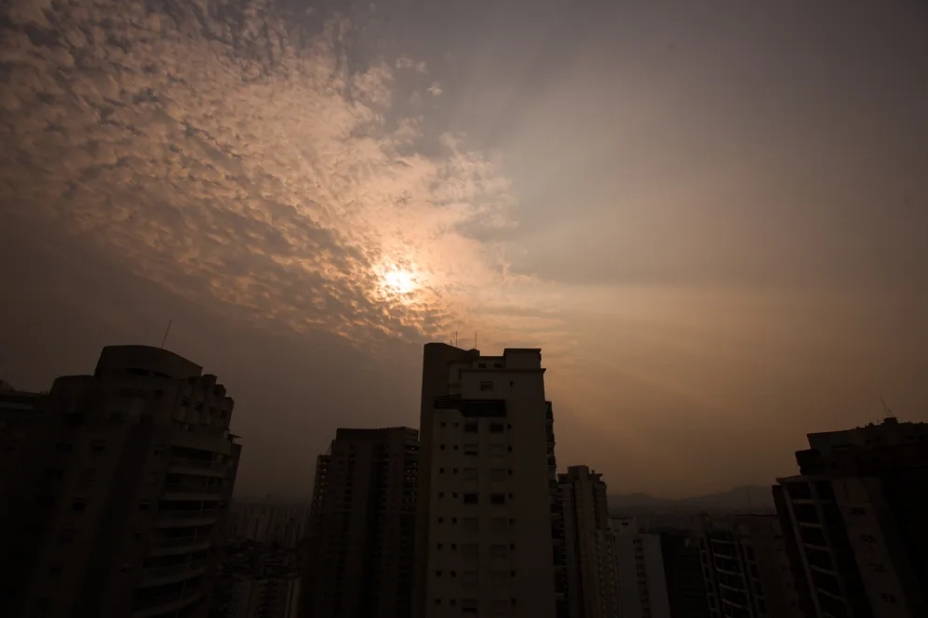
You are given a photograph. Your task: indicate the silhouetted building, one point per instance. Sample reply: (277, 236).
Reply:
(639, 571)
(484, 527)
(259, 580)
(112, 506)
(857, 516)
(558, 532)
(686, 590)
(19, 417)
(746, 568)
(590, 556)
(360, 539)
(268, 522)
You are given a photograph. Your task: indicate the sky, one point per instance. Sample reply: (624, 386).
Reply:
(711, 216)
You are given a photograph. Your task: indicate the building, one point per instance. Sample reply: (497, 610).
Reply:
(18, 419)
(746, 568)
(639, 571)
(589, 546)
(484, 526)
(259, 580)
(268, 522)
(360, 540)
(686, 590)
(112, 505)
(855, 516)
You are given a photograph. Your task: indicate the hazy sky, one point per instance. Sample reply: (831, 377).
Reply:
(711, 215)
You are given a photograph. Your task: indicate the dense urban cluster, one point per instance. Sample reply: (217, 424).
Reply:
(116, 501)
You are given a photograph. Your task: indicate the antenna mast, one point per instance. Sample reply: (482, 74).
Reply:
(166, 331)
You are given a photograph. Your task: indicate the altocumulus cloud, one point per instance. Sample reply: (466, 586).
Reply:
(224, 152)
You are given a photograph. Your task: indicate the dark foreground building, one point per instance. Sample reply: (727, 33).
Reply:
(856, 518)
(360, 541)
(112, 499)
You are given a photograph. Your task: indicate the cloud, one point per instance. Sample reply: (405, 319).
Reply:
(407, 63)
(435, 89)
(225, 153)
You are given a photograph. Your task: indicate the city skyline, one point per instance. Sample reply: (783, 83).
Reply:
(709, 215)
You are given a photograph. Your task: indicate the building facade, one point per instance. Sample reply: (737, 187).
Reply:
(855, 517)
(484, 527)
(746, 567)
(686, 590)
(114, 504)
(589, 546)
(360, 541)
(268, 522)
(641, 585)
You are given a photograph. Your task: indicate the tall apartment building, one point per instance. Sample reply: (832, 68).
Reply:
(590, 549)
(360, 540)
(686, 590)
(113, 503)
(747, 570)
(639, 572)
(269, 522)
(856, 518)
(484, 526)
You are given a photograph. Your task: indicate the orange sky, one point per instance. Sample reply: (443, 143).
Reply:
(711, 216)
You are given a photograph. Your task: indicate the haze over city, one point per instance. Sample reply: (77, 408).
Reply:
(710, 216)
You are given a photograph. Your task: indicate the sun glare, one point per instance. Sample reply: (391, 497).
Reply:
(399, 281)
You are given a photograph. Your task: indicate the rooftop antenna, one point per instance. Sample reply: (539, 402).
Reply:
(886, 409)
(166, 331)
(455, 338)
(475, 340)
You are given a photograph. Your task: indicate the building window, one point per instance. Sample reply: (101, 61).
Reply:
(54, 474)
(438, 573)
(499, 474)
(441, 520)
(78, 505)
(441, 470)
(499, 550)
(486, 386)
(98, 447)
(497, 428)
(470, 449)
(497, 498)
(471, 428)
(64, 447)
(470, 498)
(55, 571)
(144, 505)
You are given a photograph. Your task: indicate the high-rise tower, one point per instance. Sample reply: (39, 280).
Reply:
(484, 527)
(114, 502)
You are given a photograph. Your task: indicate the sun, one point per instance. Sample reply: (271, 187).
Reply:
(399, 281)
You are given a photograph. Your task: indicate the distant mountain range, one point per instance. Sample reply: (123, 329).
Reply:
(756, 498)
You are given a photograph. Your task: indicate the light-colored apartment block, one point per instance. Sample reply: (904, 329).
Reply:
(484, 545)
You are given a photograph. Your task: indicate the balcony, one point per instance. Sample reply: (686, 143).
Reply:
(159, 576)
(191, 494)
(166, 603)
(183, 465)
(180, 545)
(169, 519)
